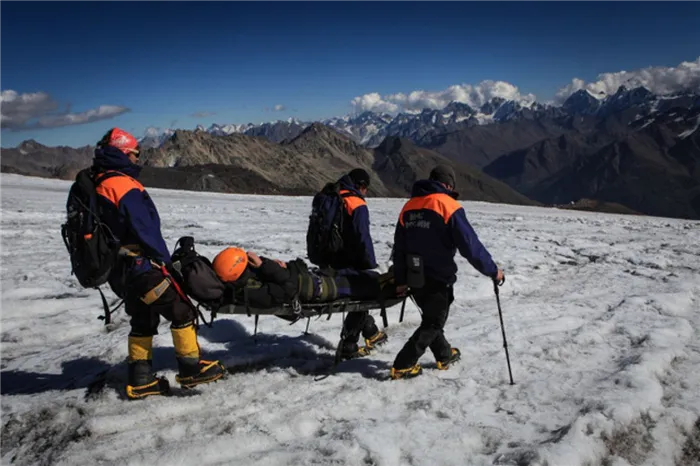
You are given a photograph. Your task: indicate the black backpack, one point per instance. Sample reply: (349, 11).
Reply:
(196, 275)
(92, 246)
(324, 237)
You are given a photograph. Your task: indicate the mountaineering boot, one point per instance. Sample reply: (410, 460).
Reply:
(375, 340)
(454, 357)
(408, 373)
(352, 351)
(192, 370)
(142, 381)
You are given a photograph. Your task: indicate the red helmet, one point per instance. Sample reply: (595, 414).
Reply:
(122, 140)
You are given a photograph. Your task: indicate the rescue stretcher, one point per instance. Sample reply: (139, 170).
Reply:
(304, 310)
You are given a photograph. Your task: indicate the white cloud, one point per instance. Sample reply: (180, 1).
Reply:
(658, 79)
(472, 95)
(18, 109)
(373, 102)
(103, 112)
(38, 110)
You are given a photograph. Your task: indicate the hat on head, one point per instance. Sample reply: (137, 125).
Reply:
(359, 177)
(444, 174)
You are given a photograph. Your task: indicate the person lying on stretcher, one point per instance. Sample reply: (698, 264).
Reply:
(268, 283)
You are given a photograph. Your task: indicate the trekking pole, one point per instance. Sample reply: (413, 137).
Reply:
(503, 329)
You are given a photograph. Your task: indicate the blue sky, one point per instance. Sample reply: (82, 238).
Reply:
(167, 61)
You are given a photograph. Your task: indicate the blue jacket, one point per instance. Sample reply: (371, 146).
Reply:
(358, 251)
(433, 225)
(128, 209)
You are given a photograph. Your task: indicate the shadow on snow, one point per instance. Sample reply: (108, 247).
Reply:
(301, 355)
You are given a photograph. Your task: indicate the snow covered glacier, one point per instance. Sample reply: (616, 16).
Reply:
(601, 314)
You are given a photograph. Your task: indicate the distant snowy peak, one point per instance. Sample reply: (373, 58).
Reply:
(363, 127)
(639, 108)
(225, 130)
(155, 137)
(277, 131)
(584, 102)
(371, 128)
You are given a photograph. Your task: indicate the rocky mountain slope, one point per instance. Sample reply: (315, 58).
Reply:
(400, 163)
(34, 159)
(651, 166)
(304, 164)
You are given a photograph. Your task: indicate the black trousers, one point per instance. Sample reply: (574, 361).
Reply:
(434, 301)
(146, 317)
(357, 323)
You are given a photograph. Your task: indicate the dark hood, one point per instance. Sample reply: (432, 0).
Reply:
(347, 183)
(111, 158)
(425, 187)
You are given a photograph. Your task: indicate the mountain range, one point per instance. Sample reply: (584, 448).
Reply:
(370, 128)
(631, 148)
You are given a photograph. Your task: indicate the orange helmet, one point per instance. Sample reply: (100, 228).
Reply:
(122, 140)
(230, 263)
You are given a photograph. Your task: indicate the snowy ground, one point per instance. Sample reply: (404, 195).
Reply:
(601, 315)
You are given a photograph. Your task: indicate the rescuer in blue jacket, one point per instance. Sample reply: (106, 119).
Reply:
(141, 276)
(358, 250)
(357, 257)
(431, 228)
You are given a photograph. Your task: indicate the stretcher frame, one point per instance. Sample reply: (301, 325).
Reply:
(304, 310)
